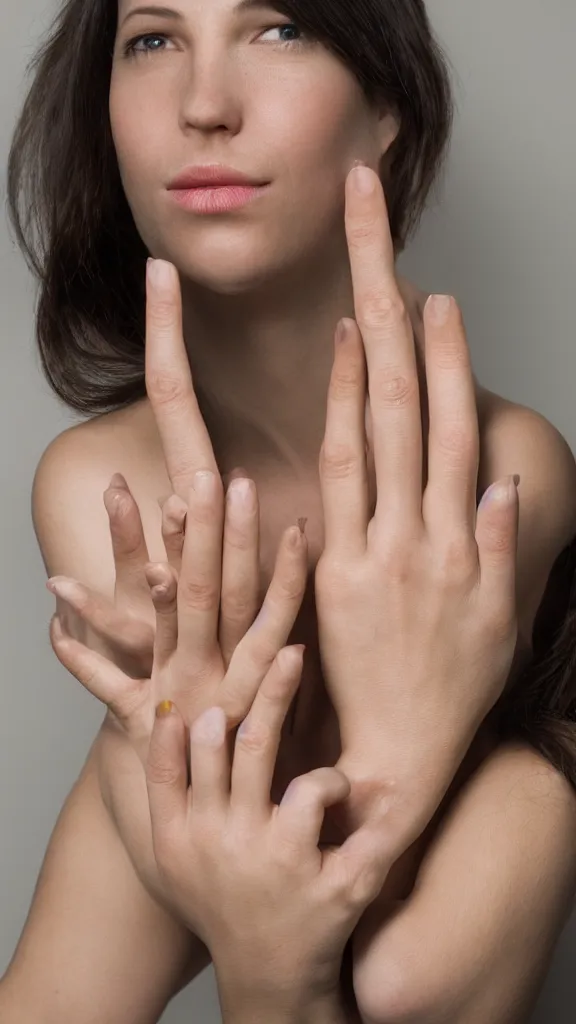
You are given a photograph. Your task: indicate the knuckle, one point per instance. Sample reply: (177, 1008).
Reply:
(292, 587)
(455, 443)
(236, 606)
(337, 461)
(163, 388)
(345, 382)
(389, 387)
(256, 738)
(382, 309)
(158, 771)
(200, 594)
(450, 352)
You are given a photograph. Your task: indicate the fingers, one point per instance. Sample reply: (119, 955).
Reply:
(240, 565)
(301, 811)
(270, 630)
(185, 439)
(497, 540)
(258, 737)
(130, 635)
(99, 676)
(128, 542)
(210, 762)
(200, 582)
(387, 334)
(174, 512)
(454, 442)
(342, 466)
(360, 865)
(163, 582)
(167, 770)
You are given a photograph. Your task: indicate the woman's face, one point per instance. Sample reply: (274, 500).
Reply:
(242, 85)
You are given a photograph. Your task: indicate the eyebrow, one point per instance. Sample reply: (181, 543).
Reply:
(169, 12)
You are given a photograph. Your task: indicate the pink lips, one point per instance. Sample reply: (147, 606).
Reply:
(216, 198)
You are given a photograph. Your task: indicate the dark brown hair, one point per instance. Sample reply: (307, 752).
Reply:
(541, 705)
(68, 207)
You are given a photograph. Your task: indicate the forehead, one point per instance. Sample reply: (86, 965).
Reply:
(188, 7)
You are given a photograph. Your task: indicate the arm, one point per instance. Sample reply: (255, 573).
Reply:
(329, 1011)
(95, 945)
(511, 831)
(473, 942)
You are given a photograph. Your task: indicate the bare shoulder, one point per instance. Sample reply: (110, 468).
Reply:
(68, 511)
(514, 435)
(516, 439)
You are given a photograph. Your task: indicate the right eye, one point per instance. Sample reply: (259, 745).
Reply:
(131, 49)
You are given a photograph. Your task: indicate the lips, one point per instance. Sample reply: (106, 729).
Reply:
(212, 175)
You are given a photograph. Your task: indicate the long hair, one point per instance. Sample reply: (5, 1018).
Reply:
(67, 204)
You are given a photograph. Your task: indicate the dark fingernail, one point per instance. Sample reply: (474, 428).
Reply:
(516, 479)
(164, 708)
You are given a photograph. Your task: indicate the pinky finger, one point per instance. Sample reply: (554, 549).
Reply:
(497, 541)
(97, 674)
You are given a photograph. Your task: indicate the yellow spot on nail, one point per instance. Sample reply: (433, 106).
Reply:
(164, 708)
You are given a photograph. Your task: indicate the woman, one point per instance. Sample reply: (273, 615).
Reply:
(241, 279)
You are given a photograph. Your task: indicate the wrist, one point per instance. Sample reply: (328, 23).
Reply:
(301, 1008)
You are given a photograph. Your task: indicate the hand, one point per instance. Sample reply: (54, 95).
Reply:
(188, 663)
(245, 875)
(416, 606)
(124, 626)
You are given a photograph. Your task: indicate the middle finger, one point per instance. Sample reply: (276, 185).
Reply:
(390, 353)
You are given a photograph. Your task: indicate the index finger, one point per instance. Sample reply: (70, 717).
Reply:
(185, 440)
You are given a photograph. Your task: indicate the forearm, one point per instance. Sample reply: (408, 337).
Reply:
(95, 945)
(293, 1010)
(493, 893)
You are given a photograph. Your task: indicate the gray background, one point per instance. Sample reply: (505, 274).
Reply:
(501, 240)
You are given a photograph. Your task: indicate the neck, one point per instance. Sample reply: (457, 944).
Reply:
(261, 364)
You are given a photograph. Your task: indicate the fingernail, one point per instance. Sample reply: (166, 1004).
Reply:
(118, 481)
(302, 524)
(239, 493)
(204, 483)
(164, 708)
(210, 727)
(341, 332)
(159, 273)
(63, 588)
(516, 479)
(295, 535)
(57, 628)
(439, 308)
(363, 180)
(501, 491)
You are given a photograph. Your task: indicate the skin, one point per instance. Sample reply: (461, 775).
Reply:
(228, 312)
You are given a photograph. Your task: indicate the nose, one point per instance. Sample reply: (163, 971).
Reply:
(210, 97)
